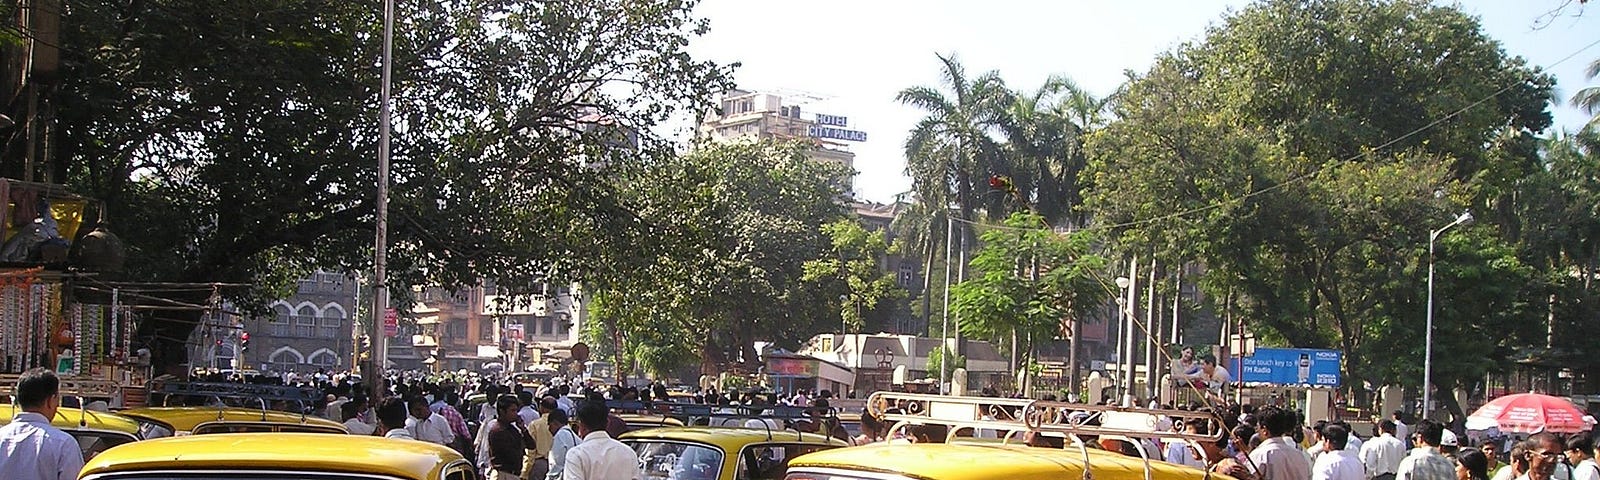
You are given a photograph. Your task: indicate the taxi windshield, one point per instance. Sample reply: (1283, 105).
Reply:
(663, 460)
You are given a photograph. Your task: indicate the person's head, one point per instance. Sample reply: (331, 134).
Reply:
(1386, 426)
(418, 408)
(1187, 353)
(1544, 453)
(392, 413)
(1519, 458)
(1580, 448)
(524, 398)
(505, 409)
(1276, 421)
(1472, 465)
(1448, 443)
(1334, 436)
(1208, 363)
(1430, 433)
(349, 410)
(547, 404)
(592, 417)
(1491, 450)
(39, 391)
(557, 419)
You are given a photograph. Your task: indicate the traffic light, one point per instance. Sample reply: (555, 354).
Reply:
(244, 341)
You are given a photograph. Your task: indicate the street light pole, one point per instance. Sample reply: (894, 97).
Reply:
(944, 329)
(1427, 353)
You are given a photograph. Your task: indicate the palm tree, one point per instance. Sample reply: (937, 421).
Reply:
(950, 152)
(1045, 131)
(1588, 98)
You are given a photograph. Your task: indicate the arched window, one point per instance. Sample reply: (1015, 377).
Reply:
(280, 321)
(287, 357)
(325, 359)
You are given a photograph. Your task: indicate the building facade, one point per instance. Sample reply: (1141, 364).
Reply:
(308, 331)
(760, 116)
(469, 328)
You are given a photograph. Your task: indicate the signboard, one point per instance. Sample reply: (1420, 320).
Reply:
(837, 133)
(1292, 366)
(514, 332)
(797, 367)
(834, 120)
(391, 322)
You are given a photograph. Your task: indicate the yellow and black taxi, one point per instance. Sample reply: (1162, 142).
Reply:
(164, 421)
(157, 422)
(966, 461)
(95, 431)
(278, 456)
(721, 453)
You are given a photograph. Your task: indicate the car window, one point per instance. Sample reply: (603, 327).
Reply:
(663, 460)
(149, 429)
(768, 461)
(92, 443)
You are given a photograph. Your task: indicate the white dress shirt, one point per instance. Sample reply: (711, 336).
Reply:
(358, 427)
(31, 448)
(563, 441)
(1337, 465)
(399, 433)
(1586, 470)
(600, 457)
(1279, 458)
(1382, 455)
(433, 430)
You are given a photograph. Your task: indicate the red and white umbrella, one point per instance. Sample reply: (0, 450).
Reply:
(1530, 413)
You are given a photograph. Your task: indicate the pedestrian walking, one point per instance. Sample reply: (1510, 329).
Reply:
(392, 419)
(1472, 465)
(598, 456)
(1580, 455)
(33, 449)
(1425, 462)
(537, 464)
(1544, 452)
(508, 441)
(1279, 457)
(1516, 466)
(1401, 430)
(351, 413)
(426, 426)
(562, 440)
(1336, 462)
(1382, 454)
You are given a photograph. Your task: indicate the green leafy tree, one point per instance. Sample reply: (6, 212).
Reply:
(1294, 152)
(235, 140)
(736, 225)
(1588, 98)
(852, 266)
(1030, 284)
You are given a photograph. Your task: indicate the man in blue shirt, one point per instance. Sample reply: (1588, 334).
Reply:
(30, 448)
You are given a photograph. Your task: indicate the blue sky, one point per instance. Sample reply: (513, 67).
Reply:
(858, 54)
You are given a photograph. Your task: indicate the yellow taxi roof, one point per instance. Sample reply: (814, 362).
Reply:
(184, 419)
(649, 420)
(986, 462)
(309, 452)
(730, 439)
(74, 419)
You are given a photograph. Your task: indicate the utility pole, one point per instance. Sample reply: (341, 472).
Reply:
(380, 298)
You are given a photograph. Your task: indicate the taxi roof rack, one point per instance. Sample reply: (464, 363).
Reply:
(1015, 415)
(695, 411)
(240, 391)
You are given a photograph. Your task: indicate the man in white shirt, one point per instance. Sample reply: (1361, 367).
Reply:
(598, 456)
(426, 426)
(1336, 463)
(1424, 462)
(1278, 457)
(1402, 431)
(1580, 454)
(562, 441)
(30, 448)
(351, 412)
(1382, 454)
(392, 419)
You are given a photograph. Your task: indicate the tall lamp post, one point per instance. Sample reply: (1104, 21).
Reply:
(1427, 354)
